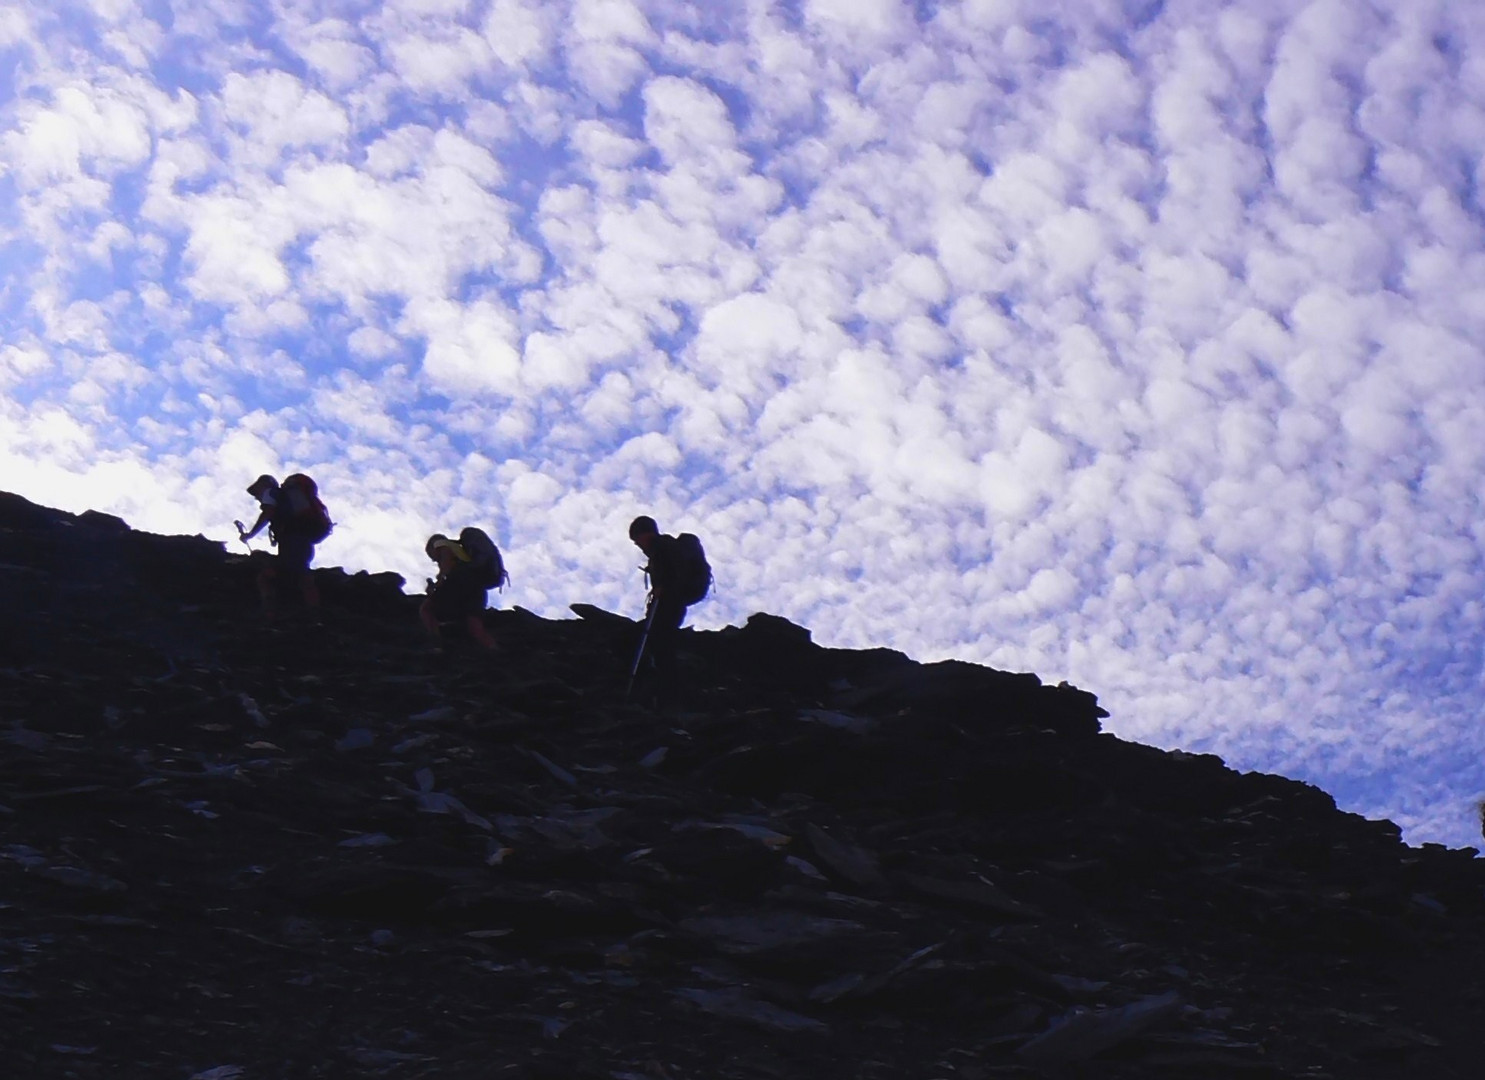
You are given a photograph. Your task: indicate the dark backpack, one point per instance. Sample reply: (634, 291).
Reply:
(306, 515)
(485, 563)
(693, 574)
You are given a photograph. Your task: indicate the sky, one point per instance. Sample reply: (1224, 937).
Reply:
(1128, 342)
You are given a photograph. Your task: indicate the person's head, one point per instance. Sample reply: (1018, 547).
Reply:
(264, 485)
(436, 541)
(643, 530)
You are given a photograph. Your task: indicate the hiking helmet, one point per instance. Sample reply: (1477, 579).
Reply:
(262, 484)
(433, 544)
(642, 525)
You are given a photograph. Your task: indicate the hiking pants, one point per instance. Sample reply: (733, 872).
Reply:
(665, 632)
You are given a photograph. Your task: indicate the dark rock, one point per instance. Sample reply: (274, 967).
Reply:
(322, 848)
(851, 862)
(1083, 1033)
(733, 1003)
(977, 894)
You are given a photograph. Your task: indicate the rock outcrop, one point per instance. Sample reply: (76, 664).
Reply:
(325, 848)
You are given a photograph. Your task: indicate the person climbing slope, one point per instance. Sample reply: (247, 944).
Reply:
(467, 569)
(679, 576)
(296, 520)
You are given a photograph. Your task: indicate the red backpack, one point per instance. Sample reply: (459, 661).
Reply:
(307, 515)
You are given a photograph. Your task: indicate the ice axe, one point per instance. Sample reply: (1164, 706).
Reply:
(242, 535)
(640, 652)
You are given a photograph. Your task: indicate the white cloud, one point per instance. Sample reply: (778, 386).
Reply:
(688, 125)
(605, 43)
(83, 129)
(440, 65)
(604, 146)
(520, 34)
(372, 343)
(20, 362)
(1026, 189)
(548, 364)
(333, 52)
(747, 339)
(860, 24)
(471, 349)
(15, 27)
(446, 8)
(234, 251)
(362, 406)
(275, 112)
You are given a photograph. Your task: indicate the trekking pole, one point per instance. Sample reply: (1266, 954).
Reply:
(639, 654)
(241, 528)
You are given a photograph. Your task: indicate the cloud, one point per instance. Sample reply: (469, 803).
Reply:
(273, 112)
(470, 348)
(859, 26)
(82, 131)
(605, 41)
(520, 34)
(332, 48)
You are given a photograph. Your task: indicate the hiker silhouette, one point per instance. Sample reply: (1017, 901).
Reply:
(296, 520)
(679, 576)
(467, 570)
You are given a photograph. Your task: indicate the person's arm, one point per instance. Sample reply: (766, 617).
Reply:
(447, 566)
(661, 567)
(264, 517)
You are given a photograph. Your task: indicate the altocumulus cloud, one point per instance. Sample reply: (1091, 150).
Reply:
(1125, 342)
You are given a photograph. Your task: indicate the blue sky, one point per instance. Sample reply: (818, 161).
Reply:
(1134, 344)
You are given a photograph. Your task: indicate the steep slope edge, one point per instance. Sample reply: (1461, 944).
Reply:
(325, 848)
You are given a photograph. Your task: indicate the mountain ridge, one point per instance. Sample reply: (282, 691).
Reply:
(332, 848)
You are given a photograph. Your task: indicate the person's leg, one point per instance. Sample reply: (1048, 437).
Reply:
(429, 617)
(480, 632)
(444, 605)
(471, 599)
(294, 554)
(665, 634)
(309, 589)
(268, 591)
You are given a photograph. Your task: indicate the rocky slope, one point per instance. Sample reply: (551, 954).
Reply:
(329, 849)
